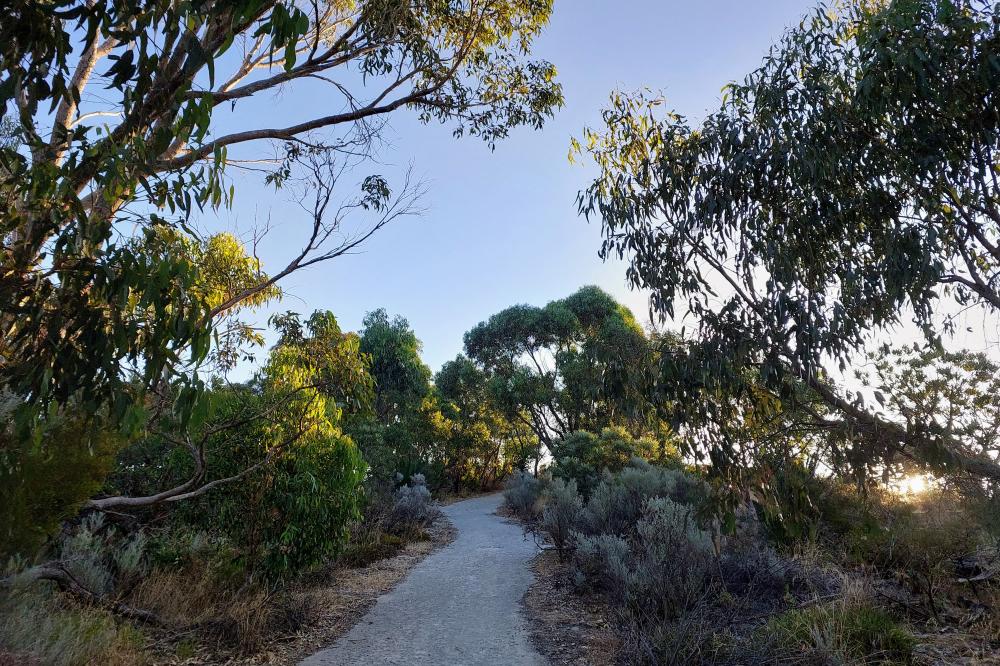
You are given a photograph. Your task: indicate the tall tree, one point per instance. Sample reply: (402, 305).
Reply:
(116, 108)
(849, 181)
(313, 378)
(402, 379)
(484, 445)
(579, 363)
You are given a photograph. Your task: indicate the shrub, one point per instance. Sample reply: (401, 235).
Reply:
(673, 556)
(922, 534)
(560, 514)
(390, 519)
(617, 503)
(658, 573)
(611, 509)
(290, 514)
(413, 507)
(849, 630)
(919, 541)
(801, 507)
(44, 481)
(601, 561)
(584, 457)
(369, 547)
(101, 558)
(36, 625)
(522, 494)
(400, 447)
(752, 569)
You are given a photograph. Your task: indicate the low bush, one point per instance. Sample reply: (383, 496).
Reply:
(852, 629)
(918, 541)
(522, 494)
(584, 457)
(616, 504)
(37, 625)
(922, 533)
(413, 507)
(686, 592)
(658, 573)
(390, 519)
(562, 510)
(100, 558)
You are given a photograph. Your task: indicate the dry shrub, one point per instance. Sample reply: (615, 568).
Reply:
(39, 625)
(241, 618)
(923, 543)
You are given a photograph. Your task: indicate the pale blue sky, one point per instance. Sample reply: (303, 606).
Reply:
(501, 228)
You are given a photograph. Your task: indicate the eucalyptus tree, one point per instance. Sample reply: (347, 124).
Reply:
(848, 183)
(938, 392)
(578, 363)
(402, 379)
(484, 445)
(116, 110)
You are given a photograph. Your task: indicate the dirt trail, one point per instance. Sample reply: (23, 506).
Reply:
(459, 607)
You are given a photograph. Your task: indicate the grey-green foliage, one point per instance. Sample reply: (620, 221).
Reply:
(640, 540)
(413, 506)
(618, 501)
(600, 560)
(845, 186)
(661, 571)
(561, 513)
(38, 625)
(522, 493)
(673, 555)
(83, 553)
(100, 558)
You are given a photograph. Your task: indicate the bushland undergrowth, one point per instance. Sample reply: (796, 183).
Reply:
(876, 577)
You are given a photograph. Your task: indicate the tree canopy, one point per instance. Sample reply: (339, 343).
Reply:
(402, 379)
(579, 363)
(845, 185)
(112, 110)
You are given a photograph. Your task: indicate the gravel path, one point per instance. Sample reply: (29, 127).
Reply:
(459, 607)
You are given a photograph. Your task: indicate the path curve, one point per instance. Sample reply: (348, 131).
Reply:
(461, 606)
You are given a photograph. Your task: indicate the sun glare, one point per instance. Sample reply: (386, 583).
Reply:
(914, 484)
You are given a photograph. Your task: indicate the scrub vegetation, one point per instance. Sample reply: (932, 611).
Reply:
(768, 482)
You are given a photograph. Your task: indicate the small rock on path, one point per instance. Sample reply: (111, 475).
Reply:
(459, 607)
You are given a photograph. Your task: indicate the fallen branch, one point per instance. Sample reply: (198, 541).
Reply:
(58, 573)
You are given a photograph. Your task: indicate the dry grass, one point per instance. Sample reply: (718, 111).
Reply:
(213, 626)
(40, 626)
(207, 619)
(212, 622)
(568, 628)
